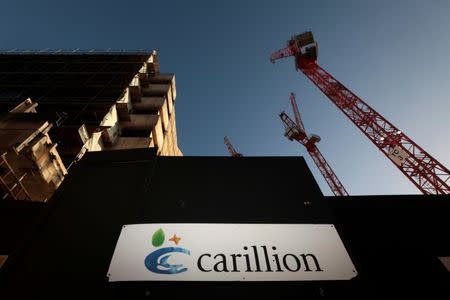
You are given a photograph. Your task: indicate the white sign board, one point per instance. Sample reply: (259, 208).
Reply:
(230, 252)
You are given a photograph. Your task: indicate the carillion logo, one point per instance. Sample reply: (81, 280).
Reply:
(254, 258)
(157, 261)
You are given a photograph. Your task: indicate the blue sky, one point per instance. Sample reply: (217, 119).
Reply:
(393, 54)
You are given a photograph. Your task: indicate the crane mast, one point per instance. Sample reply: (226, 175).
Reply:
(230, 148)
(296, 131)
(423, 170)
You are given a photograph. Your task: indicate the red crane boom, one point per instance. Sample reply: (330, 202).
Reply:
(296, 131)
(230, 147)
(298, 119)
(423, 170)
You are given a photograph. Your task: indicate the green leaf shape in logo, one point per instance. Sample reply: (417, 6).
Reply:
(158, 238)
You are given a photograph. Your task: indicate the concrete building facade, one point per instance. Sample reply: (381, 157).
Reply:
(57, 105)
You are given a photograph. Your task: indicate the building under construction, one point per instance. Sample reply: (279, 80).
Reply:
(57, 105)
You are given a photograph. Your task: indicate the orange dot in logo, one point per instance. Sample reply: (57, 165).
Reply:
(176, 239)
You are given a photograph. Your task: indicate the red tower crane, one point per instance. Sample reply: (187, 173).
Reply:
(424, 171)
(230, 147)
(296, 131)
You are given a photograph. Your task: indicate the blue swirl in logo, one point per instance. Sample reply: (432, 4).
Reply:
(157, 263)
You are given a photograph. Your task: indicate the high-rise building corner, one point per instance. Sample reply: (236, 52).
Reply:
(56, 105)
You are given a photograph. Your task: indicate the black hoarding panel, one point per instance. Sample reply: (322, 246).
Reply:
(394, 241)
(17, 219)
(107, 190)
(232, 190)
